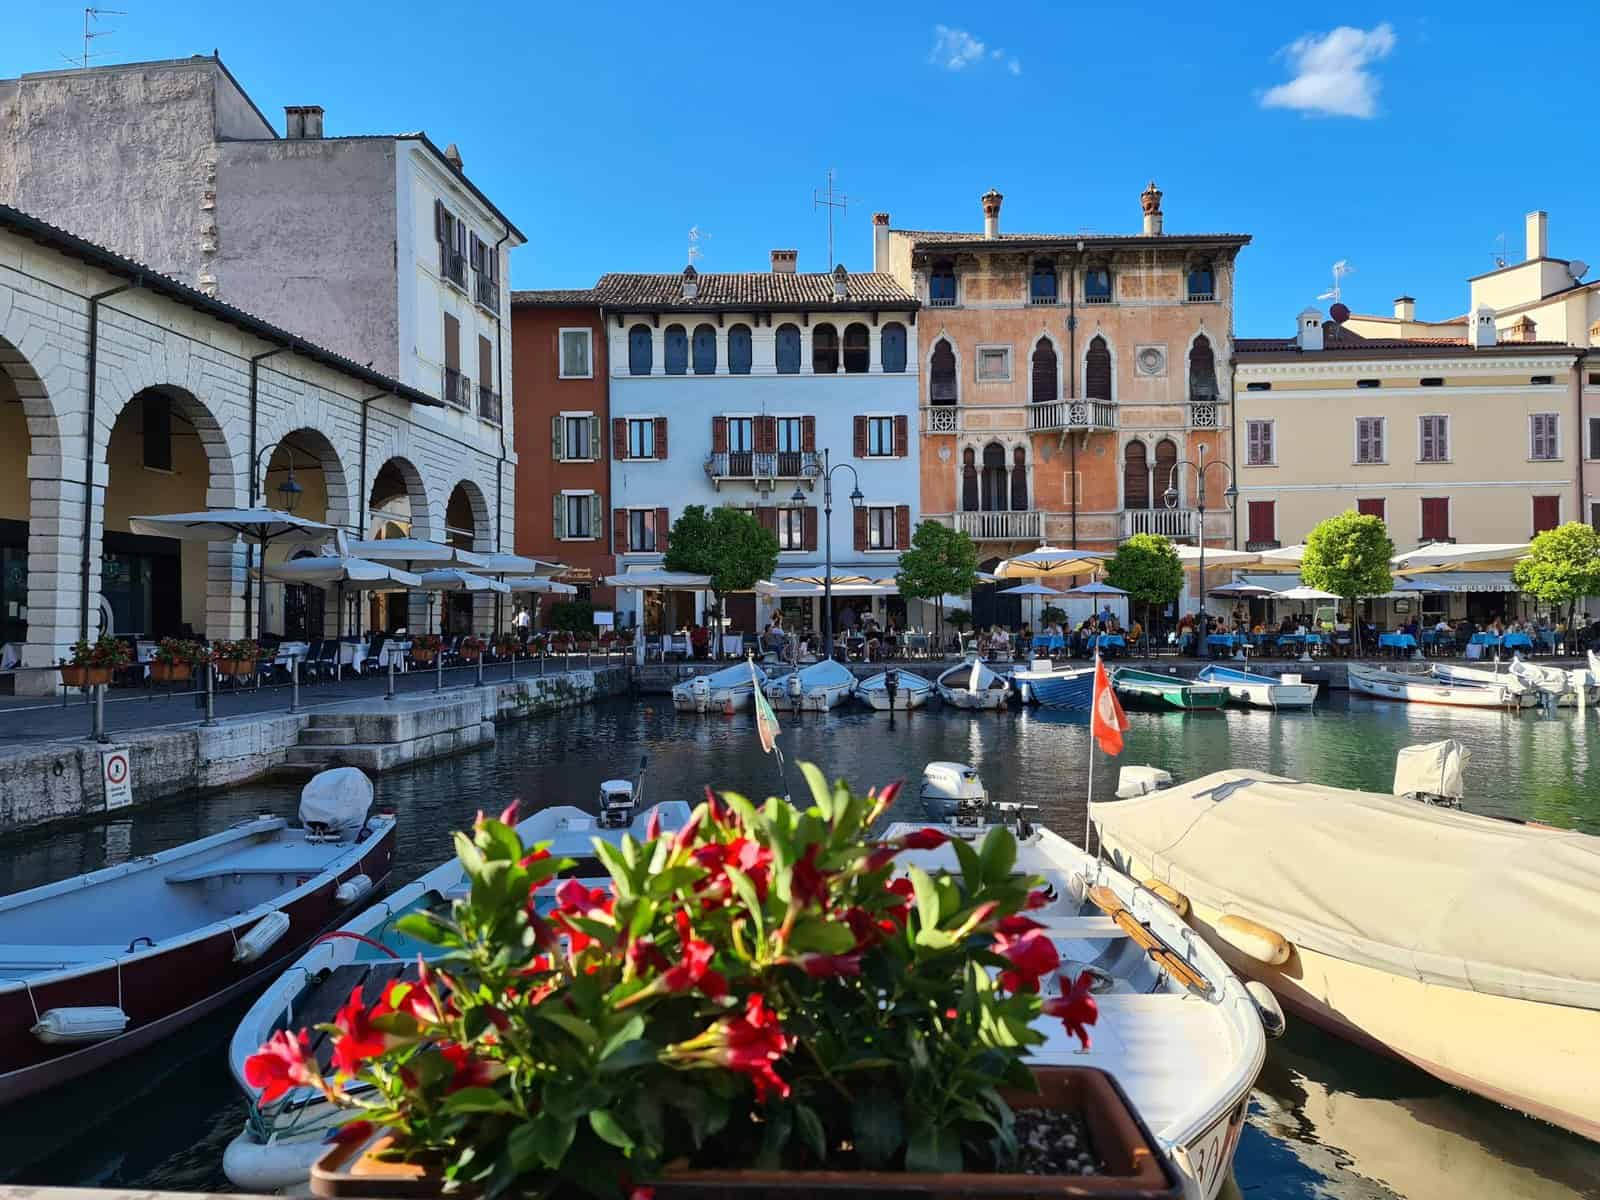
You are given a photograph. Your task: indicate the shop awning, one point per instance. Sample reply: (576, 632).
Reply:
(783, 588)
(1464, 581)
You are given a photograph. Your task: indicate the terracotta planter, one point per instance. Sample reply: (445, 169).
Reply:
(169, 672)
(423, 656)
(84, 674)
(1133, 1166)
(471, 655)
(239, 668)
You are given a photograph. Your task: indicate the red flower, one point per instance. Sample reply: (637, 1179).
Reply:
(358, 1039)
(867, 930)
(924, 839)
(694, 969)
(351, 1131)
(573, 897)
(749, 1044)
(538, 855)
(886, 797)
(1075, 1007)
(806, 882)
(467, 1069)
(686, 832)
(652, 828)
(1031, 955)
(829, 966)
(1016, 925)
(281, 1065)
(409, 999)
(1037, 899)
(880, 858)
(646, 956)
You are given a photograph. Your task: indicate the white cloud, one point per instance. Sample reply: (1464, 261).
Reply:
(1014, 66)
(957, 49)
(1331, 73)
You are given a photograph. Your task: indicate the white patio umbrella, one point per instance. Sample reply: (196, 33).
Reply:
(453, 579)
(1097, 589)
(418, 550)
(1285, 558)
(539, 585)
(1243, 589)
(347, 573)
(1443, 556)
(1216, 556)
(1031, 589)
(652, 579)
(1048, 560)
(500, 565)
(1305, 593)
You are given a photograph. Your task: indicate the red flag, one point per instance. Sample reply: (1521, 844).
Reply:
(1107, 721)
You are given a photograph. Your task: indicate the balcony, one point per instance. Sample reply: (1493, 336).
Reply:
(1205, 414)
(761, 467)
(1032, 299)
(1089, 416)
(488, 293)
(457, 390)
(489, 405)
(1177, 524)
(454, 268)
(941, 301)
(1201, 297)
(1024, 526)
(1085, 416)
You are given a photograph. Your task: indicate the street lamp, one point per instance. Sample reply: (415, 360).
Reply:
(289, 492)
(1230, 494)
(856, 498)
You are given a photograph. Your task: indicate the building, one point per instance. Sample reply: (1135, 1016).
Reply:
(378, 247)
(1463, 438)
(1065, 376)
(560, 354)
(737, 389)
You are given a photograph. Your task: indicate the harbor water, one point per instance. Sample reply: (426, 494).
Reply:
(1326, 1118)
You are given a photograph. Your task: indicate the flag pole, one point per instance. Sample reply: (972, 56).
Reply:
(1088, 799)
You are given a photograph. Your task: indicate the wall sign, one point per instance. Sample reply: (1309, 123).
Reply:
(117, 773)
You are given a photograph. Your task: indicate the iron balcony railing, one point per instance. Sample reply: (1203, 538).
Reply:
(1205, 414)
(752, 464)
(941, 301)
(1098, 299)
(1179, 524)
(488, 405)
(1201, 297)
(455, 269)
(1051, 299)
(457, 390)
(1088, 415)
(488, 292)
(1000, 526)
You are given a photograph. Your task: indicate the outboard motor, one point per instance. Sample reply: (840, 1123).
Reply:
(700, 688)
(794, 687)
(618, 799)
(891, 685)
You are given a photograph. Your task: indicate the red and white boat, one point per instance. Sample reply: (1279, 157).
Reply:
(100, 965)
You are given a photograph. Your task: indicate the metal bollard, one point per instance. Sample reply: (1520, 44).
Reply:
(100, 713)
(513, 674)
(211, 712)
(480, 667)
(438, 670)
(294, 684)
(389, 692)
(542, 657)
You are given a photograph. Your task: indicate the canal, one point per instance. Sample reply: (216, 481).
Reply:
(1326, 1119)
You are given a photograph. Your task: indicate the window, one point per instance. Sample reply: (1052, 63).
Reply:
(739, 351)
(705, 350)
(1202, 371)
(1373, 507)
(641, 437)
(942, 285)
(791, 529)
(1433, 439)
(880, 437)
(1202, 282)
(1432, 381)
(454, 385)
(1258, 387)
(1594, 437)
(1369, 439)
(994, 364)
(741, 435)
(1546, 513)
(1543, 436)
(1135, 476)
(996, 487)
(451, 234)
(641, 350)
(788, 349)
(575, 360)
(825, 350)
(791, 434)
(880, 528)
(1019, 480)
(1258, 443)
(1594, 516)
(157, 412)
(1166, 472)
(856, 349)
(576, 442)
(1097, 285)
(1369, 383)
(969, 481)
(641, 530)
(1436, 519)
(894, 347)
(488, 398)
(676, 350)
(1042, 286)
(1097, 370)
(1044, 372)
(1261, 523)
(577, 516)
(942, 374)
(486, 273)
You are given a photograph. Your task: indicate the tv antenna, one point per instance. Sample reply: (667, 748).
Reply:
(695, 236)
(1499, 254)
(90, 33)
(1340, 270)
(829, 200)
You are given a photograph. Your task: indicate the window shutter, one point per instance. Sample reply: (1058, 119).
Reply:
(808, 527)
(663, 527)
(475, 255)
(661, 437)
(766, 434)
(1263, 520)
(1377, 441)
(1442, 436)
(1594, 437)
(860, 441)
(619, 438)
(439, 221)
(557, 450)
(619, 531)
(561, 516)
(808, 435)
(1373, 507)
(767, 517)
(1546, 513)
(1426, 449)
(1436, 518)
(719, 435)
(597, 515)
(861, 525)
(902, 525)
(594, 437)
(902, 436)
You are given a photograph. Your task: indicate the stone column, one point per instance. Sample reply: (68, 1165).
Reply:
(875, 349)
(722, 350)
(805, 350)
(658, 362)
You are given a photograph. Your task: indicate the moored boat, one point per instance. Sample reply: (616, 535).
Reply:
(1260, 691)
(818, 687)
(1055, 686)
(972, 685)
(725, 691)
(910, 691)
(1429, 689)
(1148, 689)
(100, 965)
(1577, 688)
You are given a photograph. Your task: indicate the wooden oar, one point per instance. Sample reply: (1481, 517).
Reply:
(1169, 959)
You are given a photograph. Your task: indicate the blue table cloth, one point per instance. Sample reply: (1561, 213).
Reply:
(1226, 640)
(1397, 641)
(1485, 639)
(1052, 641)
(1511, 640)
(1108, 641)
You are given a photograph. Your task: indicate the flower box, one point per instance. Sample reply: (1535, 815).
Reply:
(239, 668)
(169, 672)
(84, 674)
(422, 655)
(471, 653)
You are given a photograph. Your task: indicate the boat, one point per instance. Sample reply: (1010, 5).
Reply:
(949, 788)
(1260, 691)
(973, 686)
(1430, 689)
(1577, 688)
(1148, 689)
(100, 965)
(1177, 1030)
(1467, 945)
(278, 1144)
(726, 691)
(910, 691)
(1052, 685)
(818, 687)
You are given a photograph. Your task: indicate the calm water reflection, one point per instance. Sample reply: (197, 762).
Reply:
(1327, 1120)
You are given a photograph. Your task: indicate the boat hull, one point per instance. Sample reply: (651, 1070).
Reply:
(1166, 699)
(904, 701)
(1271, 695)
(1073, 691)
(984, 700)
(1393, 687)
(716, 700)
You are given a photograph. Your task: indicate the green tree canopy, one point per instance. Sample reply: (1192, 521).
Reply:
(1562, 567)
(940, 562)
(728, 544)
(1349, 555)
(1148, 569)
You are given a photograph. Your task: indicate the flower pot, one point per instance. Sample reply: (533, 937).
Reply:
(237, 667)
(84, 674)
(169, 672)
(423, 656)
(1131, 1164)
(471, 655)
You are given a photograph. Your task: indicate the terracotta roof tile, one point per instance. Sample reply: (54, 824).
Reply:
(933, 237)
(555, 298)
(751, 290)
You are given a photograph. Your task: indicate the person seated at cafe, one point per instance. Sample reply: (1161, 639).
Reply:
(1024, 640)
(700, 640)
(1135, 632)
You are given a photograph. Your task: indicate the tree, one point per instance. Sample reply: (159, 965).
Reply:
(1562, 567)
(571, 616)
(728, 544)
(1148, 569)
(1349, 555)
(940, 562)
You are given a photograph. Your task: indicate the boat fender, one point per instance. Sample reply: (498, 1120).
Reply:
(1273, 1022)
(66, 1026)
(266, 1168)
(1175, 899)
(262, 936)
(1077, 888)
(353, 889)
(1257, 941)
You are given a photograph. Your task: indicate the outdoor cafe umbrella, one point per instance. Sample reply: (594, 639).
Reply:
(1444, 556)
(418, 550)
(1098, 589)
(453, 579)
(1243, 589)
(346, 572)
(1031, 589)
(501, 565)
(256, 526)
(1305, 593)
(649, 579)
(1048, 560)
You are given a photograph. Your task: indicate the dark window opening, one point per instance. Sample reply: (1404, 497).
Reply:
(676, 350)
(942, 374)
(1044, 372)
(856, 349)
(825, 350)
(640, 350)
(1097, 370)
(158, 432)
(1369, 383)
(1258, 387)
(942, 285)
(739, 350)
(705, 350)
(894, 347)
(1202, 371)
(1432, 381)
(1042, 285)
(788, 350)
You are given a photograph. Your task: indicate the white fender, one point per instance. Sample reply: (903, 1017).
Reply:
(353, 889)
(1260, 943)
(1273, 1022)
(273, 1167)
(67, 1026)
(262, 936)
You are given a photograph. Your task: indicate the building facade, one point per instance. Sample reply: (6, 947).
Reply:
(737, 389)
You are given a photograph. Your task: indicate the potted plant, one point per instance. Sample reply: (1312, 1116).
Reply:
(174, 660)
(95, 662)
(507, 645)
(425, 647)
(237, 658)
(760, 1002)
(471, 648)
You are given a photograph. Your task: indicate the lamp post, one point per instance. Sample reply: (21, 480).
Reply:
(1230, 493)
(289, 492)
(856, 498)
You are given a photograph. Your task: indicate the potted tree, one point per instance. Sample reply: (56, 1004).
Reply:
(237, 658)
(425, 647)
(174, 660)
(760, 1003)
(95, 662)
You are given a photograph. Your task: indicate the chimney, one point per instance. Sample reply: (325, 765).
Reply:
(1538, 222)
(784, 261)
(452, 155)
(991, 214)
(880, 241)
(1483, 335)
(1309, 330)
(302, 121)
(841, 282)
(1150, 201)
(691, 282)
(1405, 308)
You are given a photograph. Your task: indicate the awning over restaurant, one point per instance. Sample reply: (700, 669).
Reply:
(1464, 581)
(781, 589)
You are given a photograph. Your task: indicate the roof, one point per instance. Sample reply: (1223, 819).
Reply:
(753, 290)
(556, 298)
(926, 238)
(150, 279)
(1340, 341)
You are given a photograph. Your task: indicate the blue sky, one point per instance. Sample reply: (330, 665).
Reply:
(1403, 142)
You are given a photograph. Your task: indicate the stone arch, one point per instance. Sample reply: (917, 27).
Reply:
(1202, 382)
(1097, 341)
(466, 504)
(307, 442)
(397, 477)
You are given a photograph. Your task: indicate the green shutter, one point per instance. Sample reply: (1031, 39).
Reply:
(561, 516)
(555, 438)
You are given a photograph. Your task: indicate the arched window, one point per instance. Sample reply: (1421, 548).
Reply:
(739, 353)
(942, 285)
(1202, 370)
(1135, 476)
(1202, 281)
(705, 350)
(1044, 372)
(788, 349)
(1166, 470)
(1019, 480)
(942, 375)
(1097, 370)
(969, 481)
(1097, 285)
(856, 349)
(1042, 286)
(995, 490)
(640, 350)
(825, 350)
(894, 347)
(675, 349)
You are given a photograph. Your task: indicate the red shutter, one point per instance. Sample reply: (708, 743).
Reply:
(808, 435)
(769, 434)
(861, 525)
(1263, 521)
(861, 440)
(1435, 519)
(1371, 508)
(809, 524)
(619, 530)
(902, 521)
(663, 527)
(661, 437)
(1546, 513)
(719, 435)
(902, 436)
(619, 438)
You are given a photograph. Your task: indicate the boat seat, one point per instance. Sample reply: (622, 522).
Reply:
(222, 870)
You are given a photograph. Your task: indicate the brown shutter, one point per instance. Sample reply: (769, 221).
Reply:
(808, 435)
(619, 531)
(767, 516)
(663, 527)
(619, 438)
(808, 526)
(861, 440)
(902, 525)
(767, 434)
(719, 435)
(902, 436)
(661, 437)
(861, 525)
(438, 221)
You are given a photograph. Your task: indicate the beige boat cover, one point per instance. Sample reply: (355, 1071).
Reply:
(1432, 893)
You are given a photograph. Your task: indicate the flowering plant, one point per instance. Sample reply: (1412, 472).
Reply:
(243, 650)
(760, 988)
(507, 644)
(428, 643)
(104, 651)
(180, 650)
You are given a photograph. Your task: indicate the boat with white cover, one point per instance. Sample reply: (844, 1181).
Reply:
(1429, 689)
(910, 691)
(100, 965)
(973, 686)
(1467, 945)
(815, 688)
(726, 691)
(1185, 1050)
(278, 1144)
(1260, 691)
(1577, 688)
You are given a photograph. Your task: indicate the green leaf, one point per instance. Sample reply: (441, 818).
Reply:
(933, 1149)
(935, 939)
(499, 841)
(607, 1128)
(577, 1028)
(821, 793)
(927, 897)
(471, 857)
(809, 1126)
(637, 1053)
(998, 854)
(746, 888)
(774, 1136)
(543, 1140)
(824, 937)
(971, 865)
(631, 1031)
(879, 1132)
(477, 1100)
(621, 876)
(426, 927)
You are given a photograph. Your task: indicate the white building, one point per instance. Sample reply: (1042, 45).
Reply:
(735, 389)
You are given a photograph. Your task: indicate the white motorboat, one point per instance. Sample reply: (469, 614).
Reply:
(1429, 689)
(972, 685)
(910, 691)
(278, 1144)
(1579, 688)
(1176, 1027)
(816, 688)
(1260, 691)
(726, 691)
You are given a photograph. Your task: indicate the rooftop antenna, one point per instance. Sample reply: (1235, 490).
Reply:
(695, 235)
(829, 200)
(90, 33)
(1340, 270)
(1499, 254)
